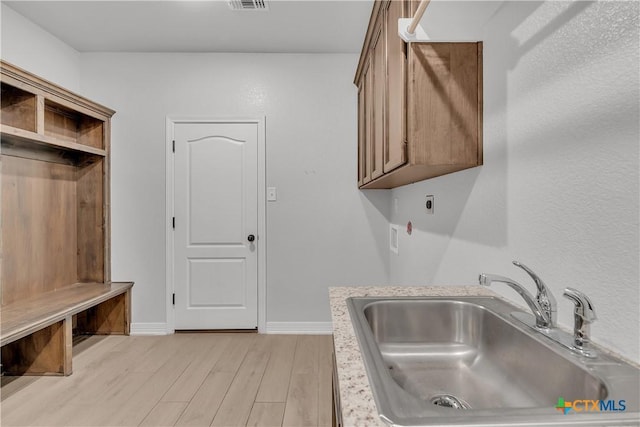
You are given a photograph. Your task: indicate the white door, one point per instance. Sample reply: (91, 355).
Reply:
(216, 223)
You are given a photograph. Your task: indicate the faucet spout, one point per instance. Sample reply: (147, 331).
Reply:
(542, 319)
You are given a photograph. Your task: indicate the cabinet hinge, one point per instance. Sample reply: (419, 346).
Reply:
(173, 145)
(174, 299)
(174, 222)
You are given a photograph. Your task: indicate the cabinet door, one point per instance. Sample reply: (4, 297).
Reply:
(367, 165)
(379, 87)
(395, 148)
(362, 129)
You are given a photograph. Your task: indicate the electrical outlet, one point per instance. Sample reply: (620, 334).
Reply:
(272, 194)
(393, 238)
(429, 205)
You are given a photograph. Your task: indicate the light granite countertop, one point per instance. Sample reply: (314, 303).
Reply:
(356, 399)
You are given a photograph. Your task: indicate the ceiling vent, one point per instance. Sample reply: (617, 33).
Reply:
(248, 5)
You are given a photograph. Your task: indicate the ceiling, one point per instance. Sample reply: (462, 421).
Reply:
(302, 26)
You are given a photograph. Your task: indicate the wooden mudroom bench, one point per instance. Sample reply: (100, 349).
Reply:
(55, 228)
(36, 334)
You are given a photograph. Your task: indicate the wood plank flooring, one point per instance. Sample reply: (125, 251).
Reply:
(198, 379)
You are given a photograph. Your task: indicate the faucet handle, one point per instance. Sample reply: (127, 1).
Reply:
(539, 283)
(584, 307)
(544, 297)
(584, 314)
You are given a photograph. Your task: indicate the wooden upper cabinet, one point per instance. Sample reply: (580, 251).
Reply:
(425, 115)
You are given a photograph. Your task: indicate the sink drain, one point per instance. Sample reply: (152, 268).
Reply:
(449, 401)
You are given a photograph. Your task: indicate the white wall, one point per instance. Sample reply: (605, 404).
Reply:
(321, 232)
(559, 186)
(559, 189)
(28, 46)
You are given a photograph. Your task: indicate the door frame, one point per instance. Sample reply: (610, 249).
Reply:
(171, 121)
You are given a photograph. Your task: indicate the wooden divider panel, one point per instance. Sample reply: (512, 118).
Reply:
(91, 223)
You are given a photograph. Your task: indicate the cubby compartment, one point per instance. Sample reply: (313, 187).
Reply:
(18, 108)
(69, 125)
(41, 125)
(62, 239)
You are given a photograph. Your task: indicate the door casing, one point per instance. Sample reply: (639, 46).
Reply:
(262, 235)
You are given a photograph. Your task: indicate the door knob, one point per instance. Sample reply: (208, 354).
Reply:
(251, 238)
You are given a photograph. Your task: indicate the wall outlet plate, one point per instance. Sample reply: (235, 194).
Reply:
(393, 238)
(428, 205)
(272, 194)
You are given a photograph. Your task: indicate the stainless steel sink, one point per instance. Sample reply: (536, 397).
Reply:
(464, 361)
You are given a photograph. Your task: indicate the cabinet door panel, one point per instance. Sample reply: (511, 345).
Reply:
(445, 129)
(361, 133)
(395, 153)
(379, 87)
(368, 131)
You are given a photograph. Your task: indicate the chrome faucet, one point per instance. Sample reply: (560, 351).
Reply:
(543, 305)
(544, 311)
(584, 315)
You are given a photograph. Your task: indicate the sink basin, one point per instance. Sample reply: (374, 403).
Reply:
(464, 361)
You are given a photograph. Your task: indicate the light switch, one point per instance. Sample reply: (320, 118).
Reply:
(272, 195)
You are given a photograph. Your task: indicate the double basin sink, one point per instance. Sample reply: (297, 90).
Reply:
(464, 361)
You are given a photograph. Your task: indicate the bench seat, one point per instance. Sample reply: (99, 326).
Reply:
(36, 334)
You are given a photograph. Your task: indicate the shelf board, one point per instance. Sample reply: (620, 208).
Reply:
(22, 143)
(11, 132)
(25, 317)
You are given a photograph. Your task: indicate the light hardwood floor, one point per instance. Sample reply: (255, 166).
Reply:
(197, 379)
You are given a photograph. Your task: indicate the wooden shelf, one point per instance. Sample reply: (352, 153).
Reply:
(18, 142)
(41, 121)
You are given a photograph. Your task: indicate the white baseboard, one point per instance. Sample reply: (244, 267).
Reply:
(300, 328)
(149, 329)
